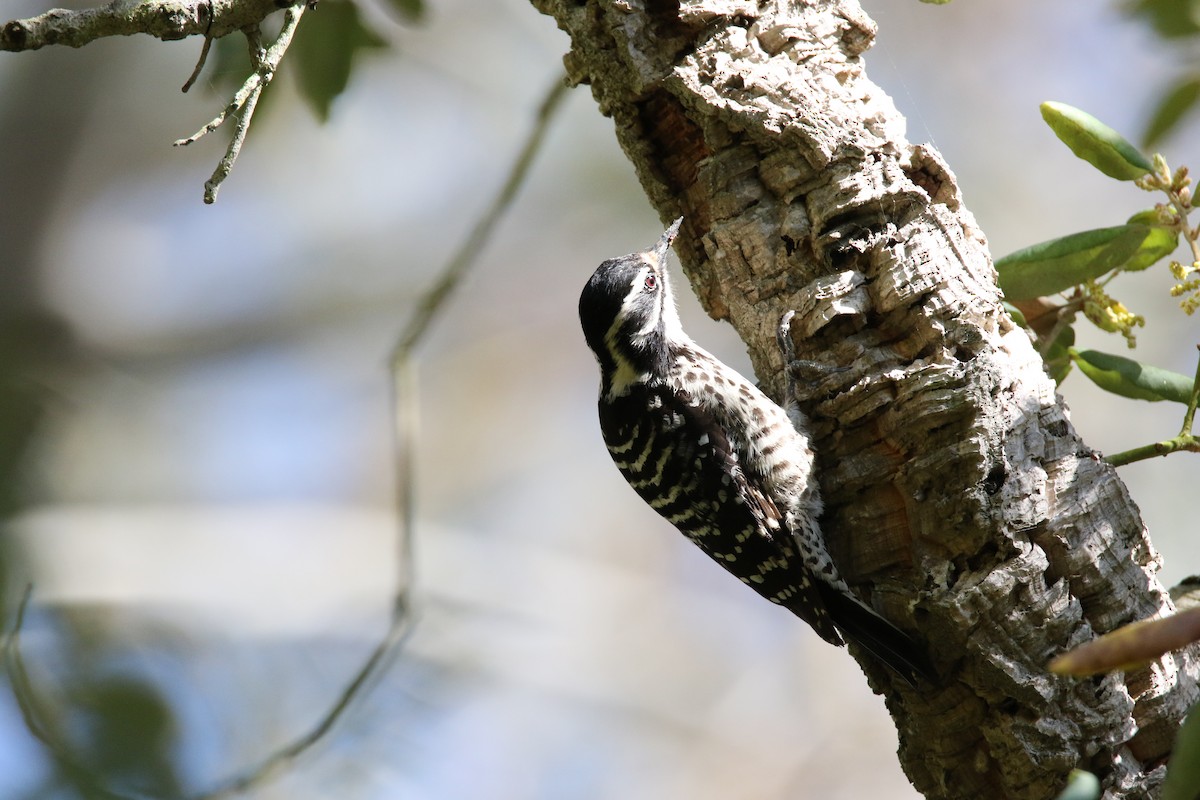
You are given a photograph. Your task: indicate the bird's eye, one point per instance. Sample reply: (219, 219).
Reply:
(651, 283)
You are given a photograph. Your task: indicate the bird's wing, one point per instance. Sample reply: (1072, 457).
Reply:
(740, 525)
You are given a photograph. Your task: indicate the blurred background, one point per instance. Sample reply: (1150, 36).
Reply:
(196, 429)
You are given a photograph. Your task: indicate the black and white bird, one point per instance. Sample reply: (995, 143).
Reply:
(717, 458)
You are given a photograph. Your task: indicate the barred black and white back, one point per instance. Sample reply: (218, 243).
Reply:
(716, 457)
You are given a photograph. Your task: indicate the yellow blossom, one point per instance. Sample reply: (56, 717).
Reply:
(1109, 314)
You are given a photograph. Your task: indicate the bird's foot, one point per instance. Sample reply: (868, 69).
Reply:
(800, 369)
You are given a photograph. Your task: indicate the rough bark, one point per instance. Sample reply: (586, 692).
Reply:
(960, 499)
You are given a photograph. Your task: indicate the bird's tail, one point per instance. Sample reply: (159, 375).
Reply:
(877, 636)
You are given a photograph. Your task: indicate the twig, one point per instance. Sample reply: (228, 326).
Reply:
(1177, 444)
(375, 665)
(169, 20)
(431, 302)
(1193, 401)
(406, 407)
(244, 101)
(28, 702)
(1183, 207)
(22, 689)
(405, 397)
(199, 65)
(406, 411)
(165, 19)
(200, 62)
(1185, 441)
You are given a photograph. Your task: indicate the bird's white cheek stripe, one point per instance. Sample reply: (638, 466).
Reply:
(625, 375)
(672, 328)
(655, 312)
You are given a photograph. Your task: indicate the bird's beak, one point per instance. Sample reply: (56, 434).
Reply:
(664, 244)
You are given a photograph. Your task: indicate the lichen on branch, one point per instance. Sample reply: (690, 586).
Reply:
(164, 19)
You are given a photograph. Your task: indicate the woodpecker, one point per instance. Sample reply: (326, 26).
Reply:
(732, 470)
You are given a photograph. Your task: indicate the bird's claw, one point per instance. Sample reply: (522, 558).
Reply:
(811, 372)
(783, 335)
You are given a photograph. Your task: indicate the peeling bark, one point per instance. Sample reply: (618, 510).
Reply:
(960, 500)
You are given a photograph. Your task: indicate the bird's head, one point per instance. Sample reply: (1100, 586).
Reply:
(628, 314)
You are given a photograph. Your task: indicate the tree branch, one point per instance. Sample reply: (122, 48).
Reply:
(165, 19)
(176, 19)
(959, 499)
(241, 107)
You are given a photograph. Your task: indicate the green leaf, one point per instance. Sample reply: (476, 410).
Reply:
(1128, 378)
(1058, 357)
(1170, 18)
(411, 10)
(1183, 770)
(1081, 785)
(1172, 107)
(324, 51)
(1059, 264)
(1159, 243)
(1015, 313)
(1095, 142)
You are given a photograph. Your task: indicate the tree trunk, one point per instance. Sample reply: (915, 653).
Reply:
(960, 500)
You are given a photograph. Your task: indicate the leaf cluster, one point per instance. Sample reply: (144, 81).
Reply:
(1049, 285)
